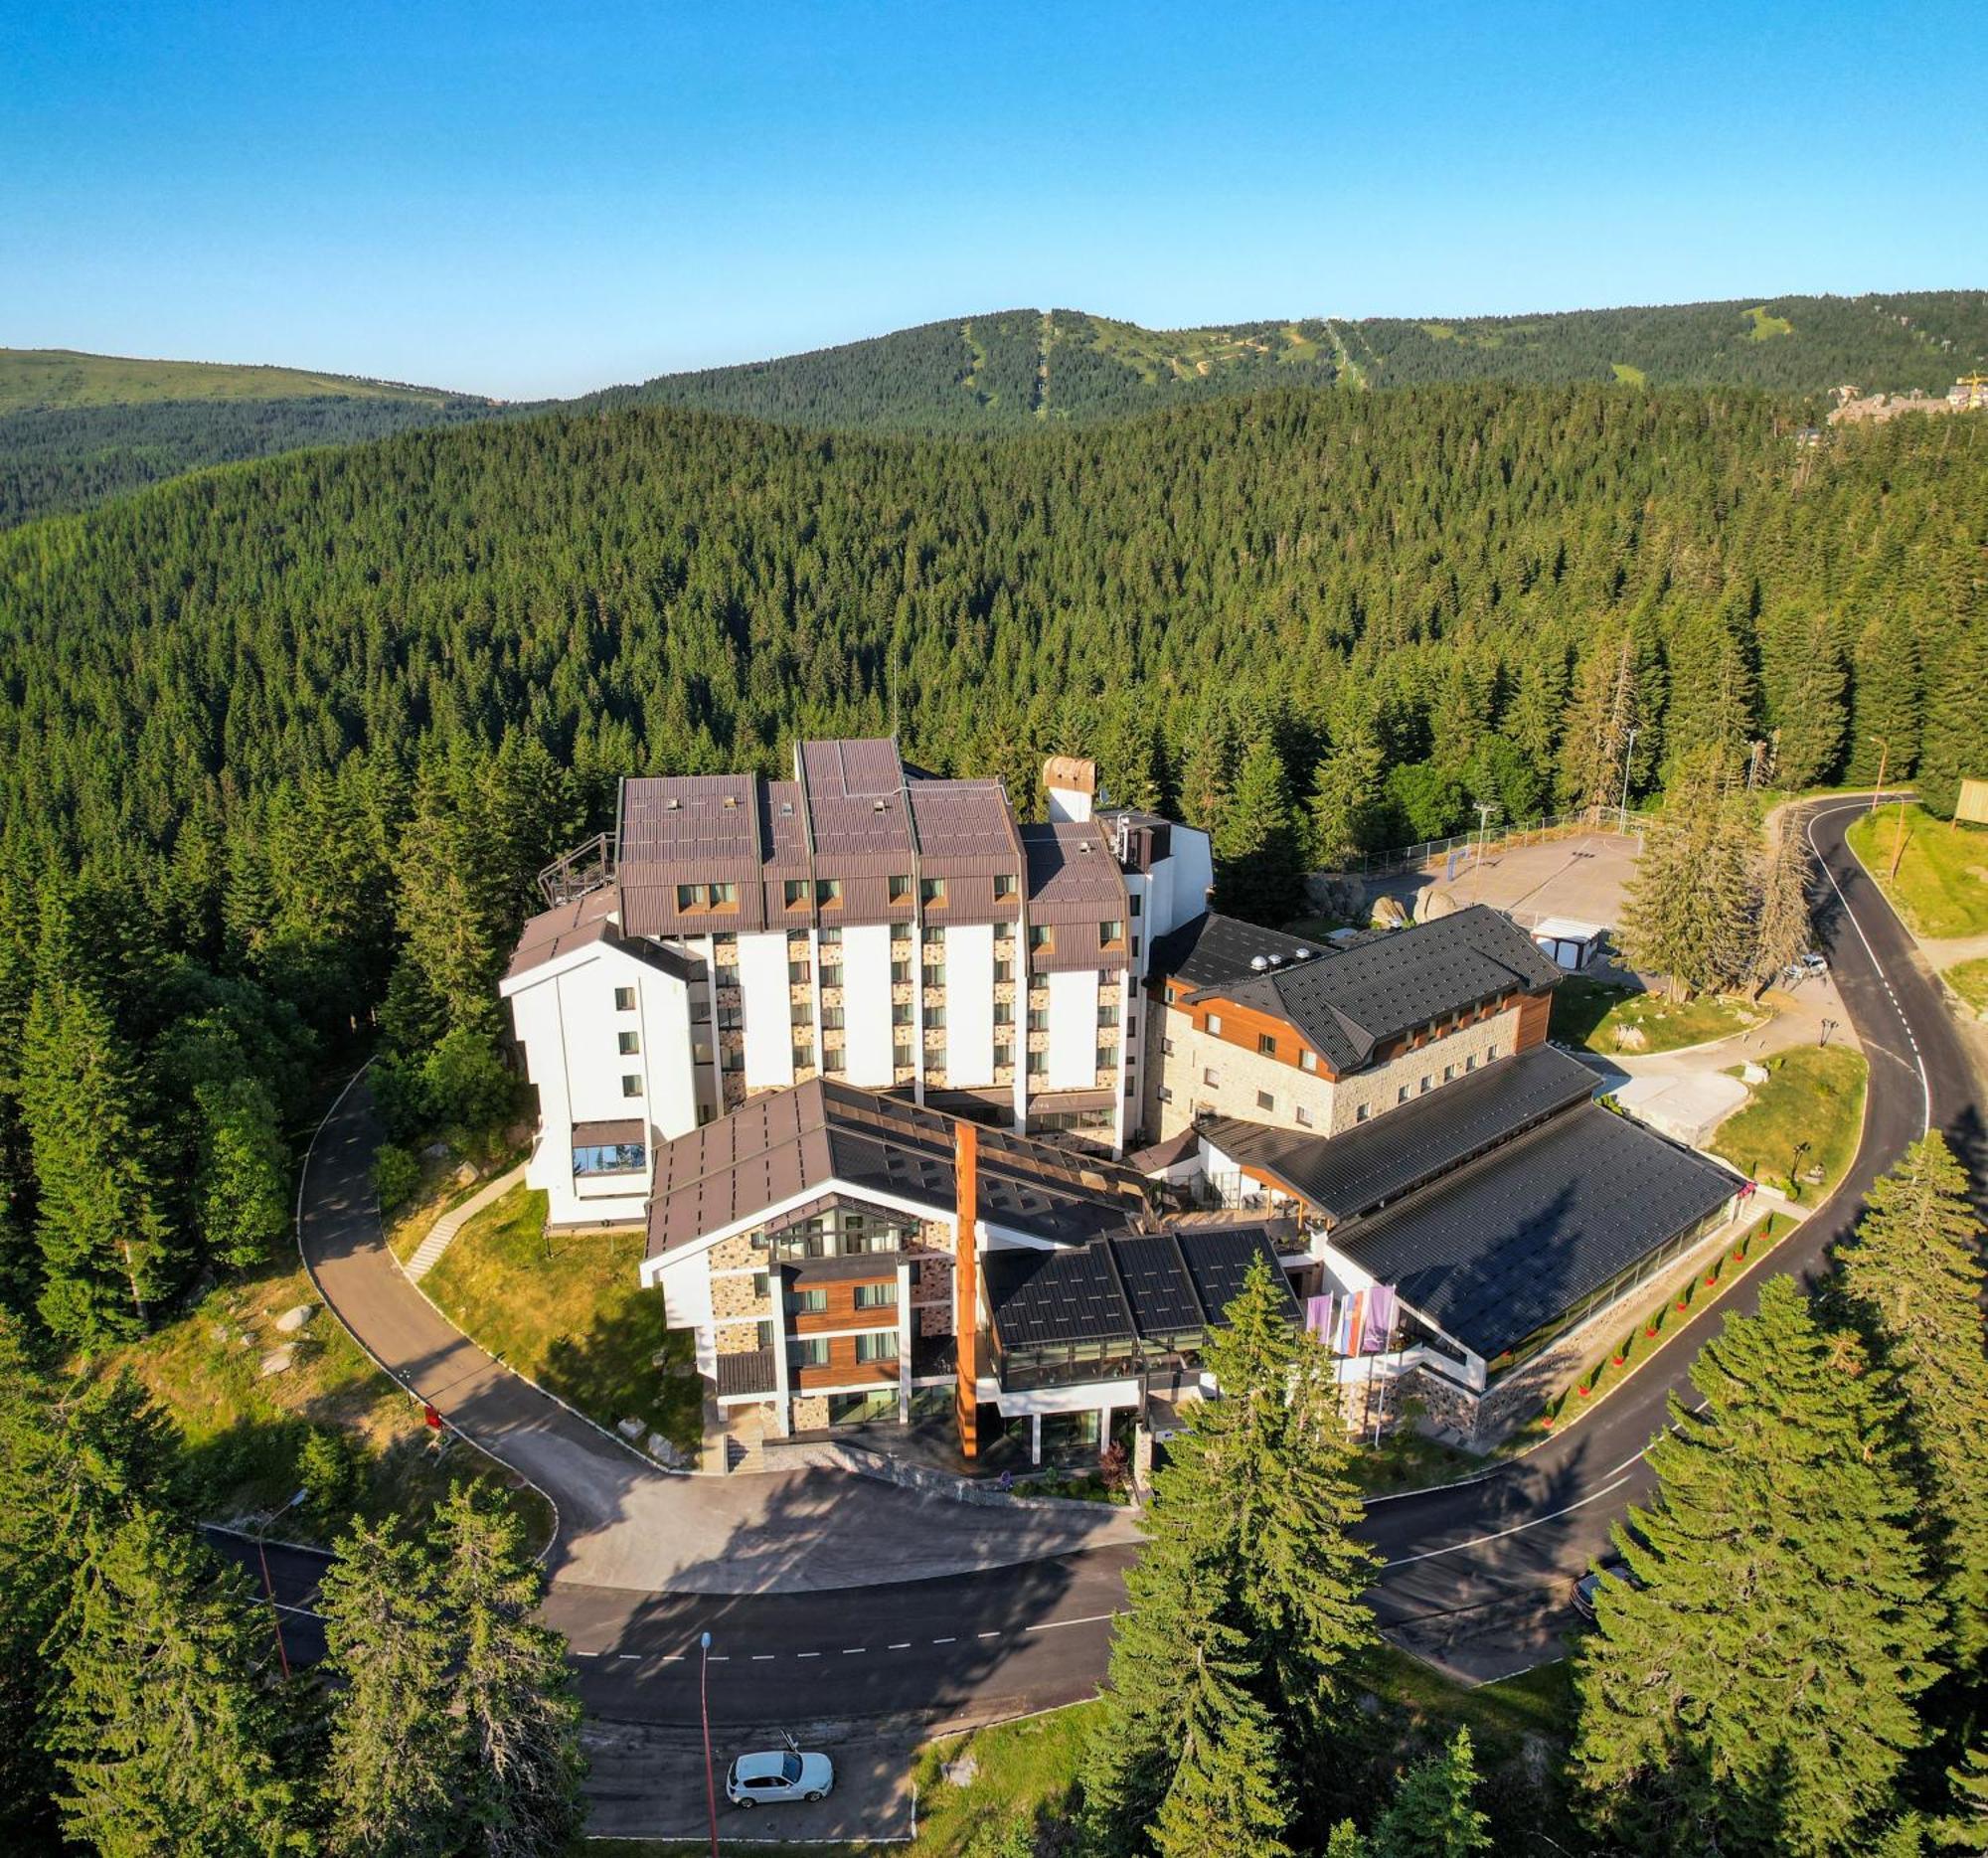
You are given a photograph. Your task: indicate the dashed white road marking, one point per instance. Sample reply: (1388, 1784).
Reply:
(945, 1642)
(851, 1651)
(1498, 1535)
(807, 1654)
(903, 1644)
(990, 1634)
(765, 1658)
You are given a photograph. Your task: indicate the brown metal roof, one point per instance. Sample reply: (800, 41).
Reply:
(855, 807)
(817, 1135)
(1072, 876)
(623, 1130)
(966, 827)
(558, 932)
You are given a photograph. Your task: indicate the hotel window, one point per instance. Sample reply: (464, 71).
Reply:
(1039, 935)
(1265, 1101)
(722, 895)
(1215, 1025)
(1004, 886)
(1402, 1096)
(730, 1018)
(831, 1018)
(1107, 1058)
(810, 1302)
(725, 974)
(1164, 1095)
(1210, 1078)
(1039, 1019)
(1004, 1012)
(1308, 1061)
(900, 970)
(877, 1345)
(624, 999)
(1167, 1047)
(1038, 1063)
(901, 890)
(831, 974)
(798, 972)
(934, 1016)
(832, 1060)
(931, 890)
(901, 1057)
(1107, 1016)
(630, 1042)
(691, 895)
(1428, 1083)
(813, 1351)
(1304, 1118)
(1449, 1072)
(875, 1297)
(933, 936)
(1267, 1043)
(796, 891)
(1490, 1052)
(934, 973)
(759, 1283)
(631, 1084)
(831, 938)
(1362, 1114)
(1470, 1064)
(803, 1057)
(828, 891)
(763, 1333)
(1135, 907)
(701, 1052)
(705, 1113)
(1110, 933)
(731, 1058)
(1135, 947)
(900, 1013)
(1004, 1057)
(1004, 970)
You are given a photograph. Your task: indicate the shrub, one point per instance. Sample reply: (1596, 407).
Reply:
(397, 1176)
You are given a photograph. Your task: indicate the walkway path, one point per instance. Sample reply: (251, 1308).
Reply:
(623, 1523)
(442, 1235)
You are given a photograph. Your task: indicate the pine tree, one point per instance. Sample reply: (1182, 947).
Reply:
(1756, 1691)
(1809, 714)
(1258, 873)
(1955, 742)
(400, 1754)
(1886, 698)
(1913, 1273)
(240, 1187)
(1965, 1829)
(513, 1688)
(1607, 705)
(1729, 899)
(168, 1729)
(1783, 931)
(1433, 1813)
(107, 1250)
(1686, 910)
(1346, 800)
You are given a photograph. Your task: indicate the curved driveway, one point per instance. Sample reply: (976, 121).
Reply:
(1022, 1626)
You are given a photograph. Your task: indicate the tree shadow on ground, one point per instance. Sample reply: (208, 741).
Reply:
(629, 1364)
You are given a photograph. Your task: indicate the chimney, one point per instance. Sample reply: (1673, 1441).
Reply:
(1072, 785)
(966, 1285)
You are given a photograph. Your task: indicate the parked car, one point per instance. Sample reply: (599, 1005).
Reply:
(1805, 967)
(1589, 1584)
(778, 1774)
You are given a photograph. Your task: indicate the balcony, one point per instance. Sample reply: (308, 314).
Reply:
(746, 1374)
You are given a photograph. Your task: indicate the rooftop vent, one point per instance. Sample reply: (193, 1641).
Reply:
(786, 810)
(1259, 962)
(877, 807)
(731, 799)
(672, 804)
(1301, 954)
(1276, 961)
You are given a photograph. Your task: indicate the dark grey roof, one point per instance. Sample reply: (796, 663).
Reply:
(1346, 1175)
(1168, 1287)
(1211, 950)
(1347, 999)
(1506, 1244)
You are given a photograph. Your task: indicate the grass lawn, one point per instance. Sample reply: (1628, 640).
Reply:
(1969, 979)
(577, 1320)
(1813, 1094)
(1942, 889)
(1406, 1460)
(245, 1430)
(1593, 1014)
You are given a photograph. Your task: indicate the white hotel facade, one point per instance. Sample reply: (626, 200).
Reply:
(861, 922)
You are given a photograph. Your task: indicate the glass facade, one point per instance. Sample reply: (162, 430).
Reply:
(611, 1158)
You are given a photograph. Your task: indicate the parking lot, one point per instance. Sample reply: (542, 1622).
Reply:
(1583, 878)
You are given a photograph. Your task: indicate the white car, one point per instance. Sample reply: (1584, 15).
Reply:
(778, 1774)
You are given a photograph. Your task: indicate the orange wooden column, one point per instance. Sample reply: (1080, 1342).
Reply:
(966, 1285)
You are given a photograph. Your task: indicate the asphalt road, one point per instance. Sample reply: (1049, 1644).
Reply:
(1475, 1575)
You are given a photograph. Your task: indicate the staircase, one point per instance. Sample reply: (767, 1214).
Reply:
(442, 1233)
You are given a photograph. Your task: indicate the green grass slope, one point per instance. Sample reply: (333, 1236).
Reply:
(43, 378)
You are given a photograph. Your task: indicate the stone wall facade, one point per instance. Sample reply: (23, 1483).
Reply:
(1458, 1052)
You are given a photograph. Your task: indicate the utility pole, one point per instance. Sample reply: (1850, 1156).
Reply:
(1628, 752)
(704, 1710)
(1898, 843)
(1484, 813)
(269, 1585)
(1883, 756)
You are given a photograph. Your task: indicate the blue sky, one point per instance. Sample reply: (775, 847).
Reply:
(545, 198)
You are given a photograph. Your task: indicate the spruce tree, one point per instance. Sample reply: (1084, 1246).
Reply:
(1433, 1812)
(1913, 1273)
(512, 1691)
(1956, 739)
(1687, 910)
(1756, 1692)
(168, 1729)
(107, 1250)
(1608, 703)
(1886, 698)
(400, 1759)
(1965, 1828)
(1784, 929)
(1809, 714)
(1259, 872)
(1345, 800)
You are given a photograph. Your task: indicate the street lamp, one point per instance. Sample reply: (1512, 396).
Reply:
(269, 1585)
(704, 1710)
(1828, 1026)
(1484, 811)
(1794, 1171)
(1628, 752)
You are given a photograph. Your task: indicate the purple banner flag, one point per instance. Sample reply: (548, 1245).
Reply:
(1380, 1318)
(1351, 1323)
(1318, 1316)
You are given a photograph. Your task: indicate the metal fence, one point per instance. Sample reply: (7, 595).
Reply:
(1434, 853)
